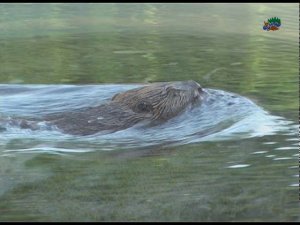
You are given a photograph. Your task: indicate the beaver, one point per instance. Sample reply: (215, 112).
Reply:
(153, 103)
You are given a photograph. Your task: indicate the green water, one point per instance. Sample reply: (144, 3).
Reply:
(221, 46)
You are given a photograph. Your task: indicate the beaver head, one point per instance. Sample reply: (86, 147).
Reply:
(161, 101)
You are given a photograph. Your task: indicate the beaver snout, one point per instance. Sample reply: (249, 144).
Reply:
(200, 90)
(198, 93)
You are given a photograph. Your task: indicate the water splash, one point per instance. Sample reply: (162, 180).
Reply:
(222, 116)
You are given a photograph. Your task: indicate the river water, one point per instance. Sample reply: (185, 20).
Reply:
(234, 158)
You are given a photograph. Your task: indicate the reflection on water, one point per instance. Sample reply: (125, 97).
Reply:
(246, 170)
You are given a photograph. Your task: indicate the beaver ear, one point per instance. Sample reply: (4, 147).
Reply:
(144, 107)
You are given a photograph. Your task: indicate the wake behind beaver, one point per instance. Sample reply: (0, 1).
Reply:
(221, 115)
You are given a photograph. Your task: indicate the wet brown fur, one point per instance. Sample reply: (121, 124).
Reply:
(156, 102)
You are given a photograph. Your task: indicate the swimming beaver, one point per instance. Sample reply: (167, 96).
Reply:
(154, 103)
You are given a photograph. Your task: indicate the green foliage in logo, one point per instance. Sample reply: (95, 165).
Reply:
(274, 20)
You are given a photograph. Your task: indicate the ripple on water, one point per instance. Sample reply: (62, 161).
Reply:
(259, 152)
(287, 148)
(221, 116)
(237, 166)
(283, 158)
(292, 139)
(269, 143)
(293, 167)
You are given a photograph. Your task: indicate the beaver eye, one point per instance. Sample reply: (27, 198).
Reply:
(173, 92)
(143, 107)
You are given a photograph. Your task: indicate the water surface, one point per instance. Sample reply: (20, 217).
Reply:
(240, 163)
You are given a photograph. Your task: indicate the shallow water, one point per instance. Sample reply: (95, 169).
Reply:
(234, 158)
